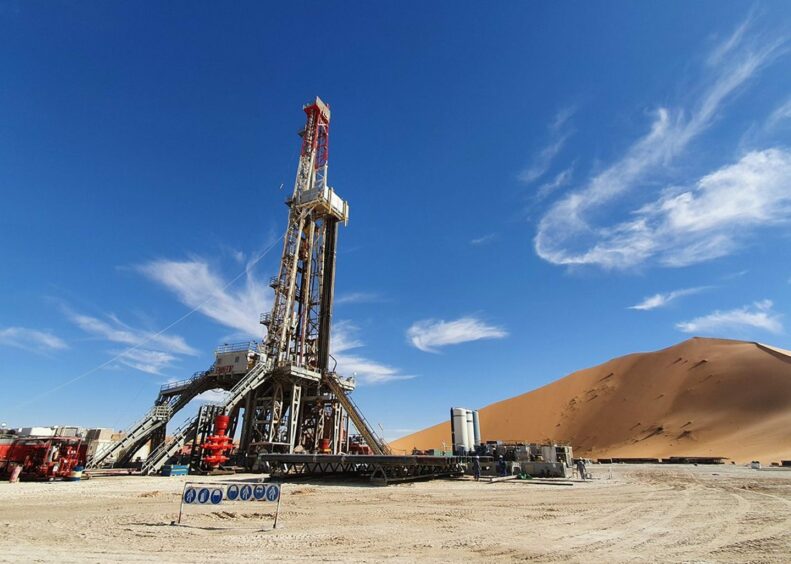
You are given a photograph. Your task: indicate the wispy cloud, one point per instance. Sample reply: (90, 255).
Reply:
(483, 239)
(719, 52)
(566, 234)
(737, 274)
(563, 178)
(780, 114)
(757, 316)
(197, 285)
(358, 298)
(31, 339)
(148, 351)
(116, 331)
(367, 371)
(663, 299)
(146, 360)
(430, 334)
(541, 162)
(708, 220)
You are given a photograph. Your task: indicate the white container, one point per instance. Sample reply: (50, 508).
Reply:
(476, 425)
(548, 453)
(36, 432)
(459, 428)
(470, 431)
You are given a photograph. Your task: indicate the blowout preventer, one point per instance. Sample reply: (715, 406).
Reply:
(218, 444)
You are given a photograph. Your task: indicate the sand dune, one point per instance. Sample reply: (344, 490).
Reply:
(702, 397)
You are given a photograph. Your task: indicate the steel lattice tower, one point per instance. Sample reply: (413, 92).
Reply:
(307, 408)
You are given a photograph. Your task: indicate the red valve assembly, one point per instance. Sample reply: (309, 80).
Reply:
(218, 444)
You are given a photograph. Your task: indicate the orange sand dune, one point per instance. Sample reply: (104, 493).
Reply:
(702, 397)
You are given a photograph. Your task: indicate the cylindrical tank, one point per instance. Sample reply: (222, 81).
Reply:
(470, 430)
(459, 425)
(476, 425)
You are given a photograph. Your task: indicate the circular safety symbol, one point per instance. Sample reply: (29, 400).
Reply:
(273, 493)
(216, 496)
(190, 495)
(203, 495)
(233, 492)
(246, 493)
(259, 492)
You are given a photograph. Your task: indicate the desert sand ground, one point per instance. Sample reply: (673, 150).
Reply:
(652, 513)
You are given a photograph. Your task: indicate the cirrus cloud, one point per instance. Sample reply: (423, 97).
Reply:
(756, 316)
(663, 299)
(31, 339)
(430, 334)
(682, 225)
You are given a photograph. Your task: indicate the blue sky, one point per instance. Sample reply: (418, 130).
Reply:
(534, 189)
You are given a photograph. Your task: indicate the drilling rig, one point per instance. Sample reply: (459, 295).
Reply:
(283, 390)
(304, 405)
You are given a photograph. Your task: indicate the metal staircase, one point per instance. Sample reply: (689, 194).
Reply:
(187, 431)
(254, 378)
(156, 417)
(172, 398)
(377, 444)
(167, 450)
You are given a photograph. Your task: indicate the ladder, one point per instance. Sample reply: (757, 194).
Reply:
(378, 445)
(141, 429)
(166, 450)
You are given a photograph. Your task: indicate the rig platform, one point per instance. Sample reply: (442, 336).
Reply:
(379, 469)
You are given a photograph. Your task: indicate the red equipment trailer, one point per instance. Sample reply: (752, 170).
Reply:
(43, 458)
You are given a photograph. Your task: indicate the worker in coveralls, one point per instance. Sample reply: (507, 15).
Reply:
(581, 468)
(476, 468)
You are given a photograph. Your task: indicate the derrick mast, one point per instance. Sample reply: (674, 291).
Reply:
(299, 324)
(305, 406)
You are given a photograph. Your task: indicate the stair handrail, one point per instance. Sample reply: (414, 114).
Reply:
(157, 453)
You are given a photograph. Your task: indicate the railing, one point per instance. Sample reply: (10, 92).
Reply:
(377, 444)
(265, 319)
(155, 459)
(133, 433)
(241, 384)
(182, 383)
(236, 347)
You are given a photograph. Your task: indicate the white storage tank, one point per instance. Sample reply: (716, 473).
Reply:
(476, 425)
(548, 453)
(458, 421)
(470, 431)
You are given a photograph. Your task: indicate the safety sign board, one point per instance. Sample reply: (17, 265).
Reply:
(217, 493)
(231, 492)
